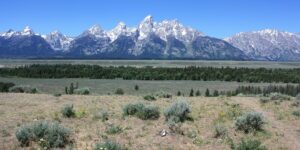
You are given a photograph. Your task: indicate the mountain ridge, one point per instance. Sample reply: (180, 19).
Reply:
(168, 39)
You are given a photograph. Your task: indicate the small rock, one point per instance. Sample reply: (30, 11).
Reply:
(163, 133)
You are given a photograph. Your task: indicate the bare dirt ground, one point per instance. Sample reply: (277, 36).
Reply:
(282, 130)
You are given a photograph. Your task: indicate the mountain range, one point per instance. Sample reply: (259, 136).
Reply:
(168, 39)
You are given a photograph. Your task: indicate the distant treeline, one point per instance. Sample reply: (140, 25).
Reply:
(151, 73)
(292, 90)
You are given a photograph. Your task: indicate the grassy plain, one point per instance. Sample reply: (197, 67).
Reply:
(278, 133)
(155, 63)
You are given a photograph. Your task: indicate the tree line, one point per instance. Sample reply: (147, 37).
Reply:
(153, 73)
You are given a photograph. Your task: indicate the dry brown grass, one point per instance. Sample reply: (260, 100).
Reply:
(19, 109)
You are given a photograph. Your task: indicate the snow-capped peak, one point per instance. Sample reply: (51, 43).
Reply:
(120, 29)
(146, 27)
(173, 28)
(27, 31)
(8, 33)
(96, 31)
(268, 43)
(58, 41)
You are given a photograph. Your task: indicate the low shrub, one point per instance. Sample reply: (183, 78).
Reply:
(132, 109)
(297, 97)
(249, 145)
(102, 115)
(114, 129)
(220, 131)
(142, 111)
(251, 121)
(108, 145)
(234, 111)
(163, 94)
(149, 112)
(296, 113)
(264, 100)
(82, 91)
(4, 86)
(149, 98)
(23, 89)
(50, 135)
(178, 112)
(57, 94)
(68, 111)
(119, 91)
(279, 96)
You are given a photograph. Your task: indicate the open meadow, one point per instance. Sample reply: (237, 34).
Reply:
(281, 129)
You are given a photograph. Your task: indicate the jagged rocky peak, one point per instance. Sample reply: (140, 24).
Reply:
(58, 41)
(8, 33)
(146, 27)
(173, 28)
(27, 31)
(96, 31)
(268, 44)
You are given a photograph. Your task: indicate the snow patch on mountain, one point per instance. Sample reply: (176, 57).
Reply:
(269, 44)
(58, 41)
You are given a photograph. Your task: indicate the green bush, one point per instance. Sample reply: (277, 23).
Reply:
(23, 89)
(141, 111)
(132, 109)
(108, 145)
(264, 100)
(178, 111)
(57, 94)
(163, 94)
(148, 112)
(220, 131)
(102, 115)
(119, 91)
(149, 98)
(68, 111)
(278, 96)
(48, 134)
(249, 145)
(82, 91)
(4, 86)
(296, 113)
(114, 129)
(251, 121)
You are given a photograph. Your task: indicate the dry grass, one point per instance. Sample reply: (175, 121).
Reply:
(19, 109)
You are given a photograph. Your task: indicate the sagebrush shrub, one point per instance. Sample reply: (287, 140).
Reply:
(149, 98)
(68, 111)
(114, 129)
(119, 91)
(220, 131)
(82, 91)
(102, 115)
(279, 96)
(251, 121)
(24, 135)
(296, 113)
(163, 94)
(49, 134)
(148, 112)
(298, 97)
(249, 145)
(178, 111)
(23, 89)
(264, 100)
(132, 109)
(142, 111)
(108, 145)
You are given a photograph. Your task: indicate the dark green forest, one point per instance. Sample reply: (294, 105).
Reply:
(151, 73)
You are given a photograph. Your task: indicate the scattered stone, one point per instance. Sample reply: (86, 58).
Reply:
(163, 133)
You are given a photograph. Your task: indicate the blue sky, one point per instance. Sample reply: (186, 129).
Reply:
(218, 18)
